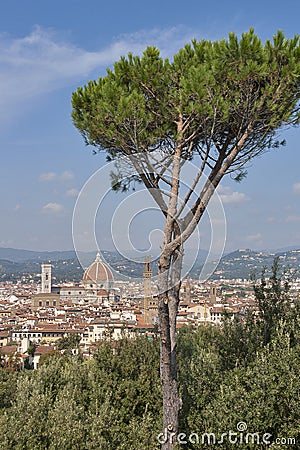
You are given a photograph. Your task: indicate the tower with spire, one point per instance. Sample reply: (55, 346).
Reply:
(149, 303)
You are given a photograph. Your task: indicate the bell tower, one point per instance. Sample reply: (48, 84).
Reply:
(213, 294)
(46, 279)
(149, 305)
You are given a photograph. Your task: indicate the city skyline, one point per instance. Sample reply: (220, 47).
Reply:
(47, 51)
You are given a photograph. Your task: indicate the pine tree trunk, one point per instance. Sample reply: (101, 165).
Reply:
(167, 314)
(168, 374)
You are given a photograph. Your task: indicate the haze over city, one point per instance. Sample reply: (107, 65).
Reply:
(49, 49)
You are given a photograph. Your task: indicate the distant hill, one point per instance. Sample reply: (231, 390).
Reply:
(19, 255)
(62, 270)
(15, 264)
(244, 262)
(284, 249)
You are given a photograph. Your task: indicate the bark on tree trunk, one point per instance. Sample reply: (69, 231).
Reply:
(169, 276)
(170, 264)
(168, 371)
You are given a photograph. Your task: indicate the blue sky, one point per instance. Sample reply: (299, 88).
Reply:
(49, 48)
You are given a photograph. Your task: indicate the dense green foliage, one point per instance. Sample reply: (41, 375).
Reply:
(261, 388)
(273, 300)
(223, 92)
(69, 343)
(227, 375)
(109, 402)
(113, 401)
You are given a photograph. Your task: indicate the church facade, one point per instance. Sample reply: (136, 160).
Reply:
(97, 287)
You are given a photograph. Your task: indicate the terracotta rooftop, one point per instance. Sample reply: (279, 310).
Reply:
(8, 349)
(98, 272)
(4, 334)
(43, 349)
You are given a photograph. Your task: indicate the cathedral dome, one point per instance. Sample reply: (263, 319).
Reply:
(98, 273)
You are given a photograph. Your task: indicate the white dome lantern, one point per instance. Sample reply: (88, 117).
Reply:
(98, 276)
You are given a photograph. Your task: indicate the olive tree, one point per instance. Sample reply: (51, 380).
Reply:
(219, 104)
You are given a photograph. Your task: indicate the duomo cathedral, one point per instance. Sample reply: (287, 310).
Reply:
(97, 287)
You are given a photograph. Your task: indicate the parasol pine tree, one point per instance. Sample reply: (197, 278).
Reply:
(218, 103)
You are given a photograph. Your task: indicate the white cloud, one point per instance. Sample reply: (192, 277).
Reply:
(254, 237)
(52, 176)
(231, 197)
(66, 175)
(42, 62)
(292, 218)
(53, 208)
(72, 192)
(6, 243)
(296, 188)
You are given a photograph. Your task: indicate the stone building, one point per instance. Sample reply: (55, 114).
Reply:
(96, 287)
(45, 301)
(149, 302)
